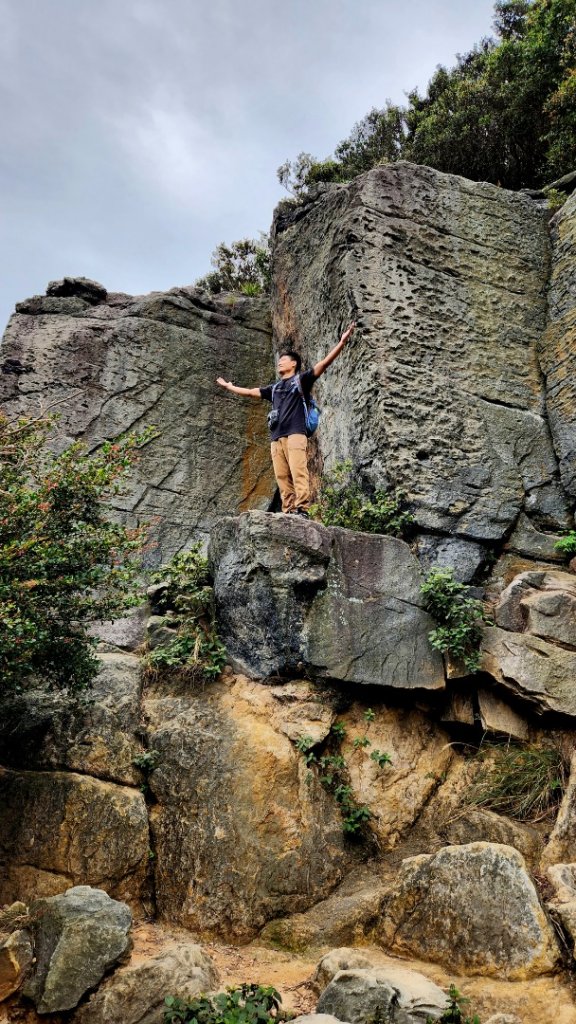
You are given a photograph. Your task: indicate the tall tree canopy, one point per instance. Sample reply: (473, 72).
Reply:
(505, 113)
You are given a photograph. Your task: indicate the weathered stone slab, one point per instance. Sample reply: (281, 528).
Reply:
(78, 935)
(241, 832)
(440, 390)
(122, 362)
(95, 733)
(344, 605)
(540, 603)
(348, 915)
(563, 878)
(498, 717)
(473, 909)
(534, 670)
(59, 829)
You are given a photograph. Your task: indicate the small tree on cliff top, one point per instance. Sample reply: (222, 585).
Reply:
(63, 563)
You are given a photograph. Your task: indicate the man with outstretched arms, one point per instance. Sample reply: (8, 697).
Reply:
(287, 422)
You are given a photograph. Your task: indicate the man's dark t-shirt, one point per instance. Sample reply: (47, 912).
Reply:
(288, 402)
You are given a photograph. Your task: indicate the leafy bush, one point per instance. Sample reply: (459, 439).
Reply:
(343, 503)
(455, 1011)
(459, 618)
(248, 1004)
(522, 782)
(63, 562)
(556, 200)
(242, 266)
(567, 545)
(196, 648)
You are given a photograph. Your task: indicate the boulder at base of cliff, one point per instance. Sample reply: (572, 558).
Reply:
(135, 993)
(473, 909)
(78, 936)
(384, 993)
(293, 594)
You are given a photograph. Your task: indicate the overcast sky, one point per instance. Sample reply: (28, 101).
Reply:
(137, 134)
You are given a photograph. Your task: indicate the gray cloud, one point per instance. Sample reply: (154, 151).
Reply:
(137, 134)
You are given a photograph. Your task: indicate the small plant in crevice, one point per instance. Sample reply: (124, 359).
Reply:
(342, 502)
(195, 650)
(522, 782)
(333, 774)
(567, 545)
(455, 1012)
(459, 618)
(245, 1004)
(146, 762)
(555, 198)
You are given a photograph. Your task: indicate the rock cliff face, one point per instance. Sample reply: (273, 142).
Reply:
(114, 363)
(225, 808)
(441, 392)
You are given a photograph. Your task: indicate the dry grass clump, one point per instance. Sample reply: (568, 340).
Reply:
(523, 782)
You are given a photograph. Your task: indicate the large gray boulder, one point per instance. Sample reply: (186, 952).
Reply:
(440, 391)
(135, 993)
(396, 994)
(117, 362)
(292, 594)
(78, 936)
(472, 908)
(542, 604)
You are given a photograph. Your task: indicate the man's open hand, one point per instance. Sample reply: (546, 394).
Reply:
(349, 331)
(224, 383)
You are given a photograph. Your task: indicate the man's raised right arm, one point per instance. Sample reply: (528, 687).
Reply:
(229, 386)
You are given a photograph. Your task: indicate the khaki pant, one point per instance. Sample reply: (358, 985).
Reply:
(291, 471)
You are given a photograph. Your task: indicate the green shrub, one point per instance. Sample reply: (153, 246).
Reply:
(196, 650)
(343, 503)
(556, 198)
(248, 1004)
(333, 773)
(459, 618)
(522, 782)
(63, 562)
(455, 1011)
(567, 545)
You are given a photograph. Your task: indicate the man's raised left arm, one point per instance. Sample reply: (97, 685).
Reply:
(319, 368)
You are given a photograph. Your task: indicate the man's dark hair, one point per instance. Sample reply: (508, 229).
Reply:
(295, 357)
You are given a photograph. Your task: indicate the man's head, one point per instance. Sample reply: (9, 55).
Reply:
(289, 363)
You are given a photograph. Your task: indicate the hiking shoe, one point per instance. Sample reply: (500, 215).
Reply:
(302, 512)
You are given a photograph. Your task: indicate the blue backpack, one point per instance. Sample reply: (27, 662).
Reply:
(311, 410)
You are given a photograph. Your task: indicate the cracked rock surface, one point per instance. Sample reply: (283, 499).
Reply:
(116, 363)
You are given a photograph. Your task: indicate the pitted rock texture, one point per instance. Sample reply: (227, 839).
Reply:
(116, 363)
(344, 605)
(78, 936)
(440, 391)
(558, 348)
(59, 829)
(472, 908)
(241, 832)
